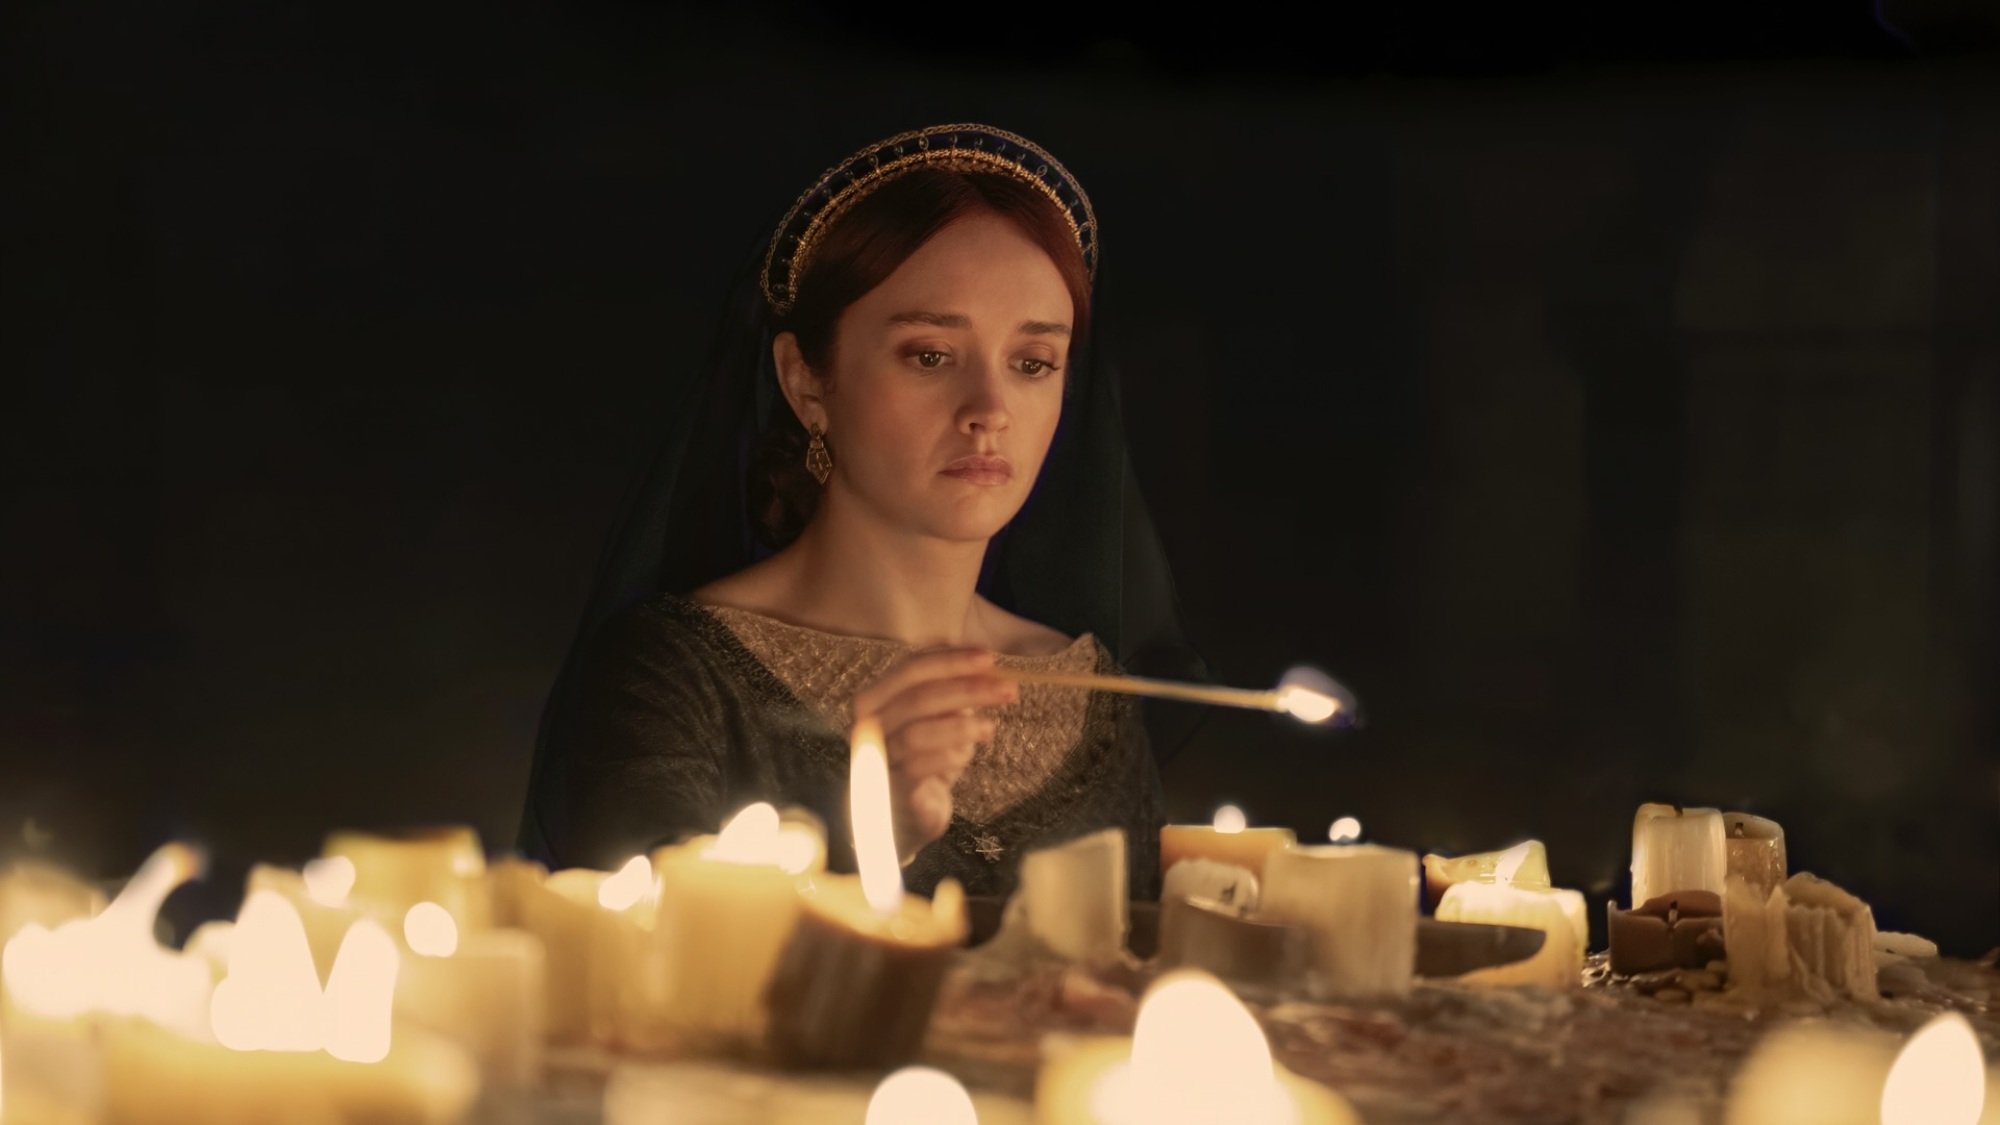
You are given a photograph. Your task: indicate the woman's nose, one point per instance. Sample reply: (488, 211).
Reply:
(985, 404)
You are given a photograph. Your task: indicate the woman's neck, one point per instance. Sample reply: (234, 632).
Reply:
(864, 580)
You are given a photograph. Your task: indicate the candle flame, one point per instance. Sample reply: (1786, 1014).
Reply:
(749, 837)
(632, 883)
(361, 994)
(1197, 1055)
(430, 931)
(920, 1095)
(329, 879)
(1345, 830)
(1509, 863)
(111, 963)
(270, 1000)
(1939, 1077)
(871, 820)
(1229, 820)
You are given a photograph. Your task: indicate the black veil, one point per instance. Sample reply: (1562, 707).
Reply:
(1081, 556)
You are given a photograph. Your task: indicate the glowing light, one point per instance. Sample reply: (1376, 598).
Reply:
(429, 930)
(1509, 863)
(329, 880)
(749, 837)
(111, 963)
(1939, 1077)
(1229, 820)
(633, 882)
(872, 821)
(1197, 1055)
(1345, 830)
(919, 1095)
(361, 994)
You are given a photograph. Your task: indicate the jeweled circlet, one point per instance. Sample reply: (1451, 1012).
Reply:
(969, 148)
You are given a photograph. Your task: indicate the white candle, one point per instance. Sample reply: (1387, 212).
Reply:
(482, 990)
(1754, 848)
(626, 974)
(562, 911)
(728, 903)
(1229, 839)
(1359, 901)
(1676, 849)
(1070, 902)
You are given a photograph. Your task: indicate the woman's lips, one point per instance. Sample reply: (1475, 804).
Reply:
(981, 470)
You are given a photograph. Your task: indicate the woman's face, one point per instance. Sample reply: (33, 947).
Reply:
(957, 355)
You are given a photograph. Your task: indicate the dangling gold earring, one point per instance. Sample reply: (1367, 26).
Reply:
(818, 461)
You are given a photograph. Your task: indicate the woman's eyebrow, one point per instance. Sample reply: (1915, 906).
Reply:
(935, 319)
(1043, 328)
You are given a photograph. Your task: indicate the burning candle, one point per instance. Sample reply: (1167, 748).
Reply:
(920, 1095)
(395, 872)
(1229, 839)
(1559, 914)
(1676, 849)
(856, 982)
(1939, 1077)
(1196, 1054)
(1528, 859)
(482, 990)
(1359, 902)
(728, 904)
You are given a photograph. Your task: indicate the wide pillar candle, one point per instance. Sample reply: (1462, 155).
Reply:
(484, 991)
(1677, 849)
(562, 910)
(1359, 903)
(1224, 842)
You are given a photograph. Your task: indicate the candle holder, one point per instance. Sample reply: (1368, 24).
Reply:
(1204, 933)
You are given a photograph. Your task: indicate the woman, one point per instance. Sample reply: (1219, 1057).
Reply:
(900, 481)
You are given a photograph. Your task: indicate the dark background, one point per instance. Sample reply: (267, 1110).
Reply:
(1611, 404)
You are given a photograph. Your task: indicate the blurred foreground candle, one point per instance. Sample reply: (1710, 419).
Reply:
(321, 902)
(1826, 1073)
(1559, 914)
(1676, 849)
(855, 984)
(1359, 901)
(1228, 840)
(284, 1050)
(482, 990)
(45, 895)
(920, 1095)
(625, 969)
(728, 904)
(1196, 1055)
(64, 985)
(1528, 859)
(394, 872)
(562, 911)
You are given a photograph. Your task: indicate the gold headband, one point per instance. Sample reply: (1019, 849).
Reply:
(962, 148)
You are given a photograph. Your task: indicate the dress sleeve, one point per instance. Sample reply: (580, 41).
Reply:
(639, 760)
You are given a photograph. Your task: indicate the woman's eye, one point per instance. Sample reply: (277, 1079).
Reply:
(930, 359)
(1032, 366)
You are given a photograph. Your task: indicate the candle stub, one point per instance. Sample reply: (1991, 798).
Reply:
(855, 987)
(1359, 902)
(1674, 931)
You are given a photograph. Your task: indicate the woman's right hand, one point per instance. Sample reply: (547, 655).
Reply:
(928, 706)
